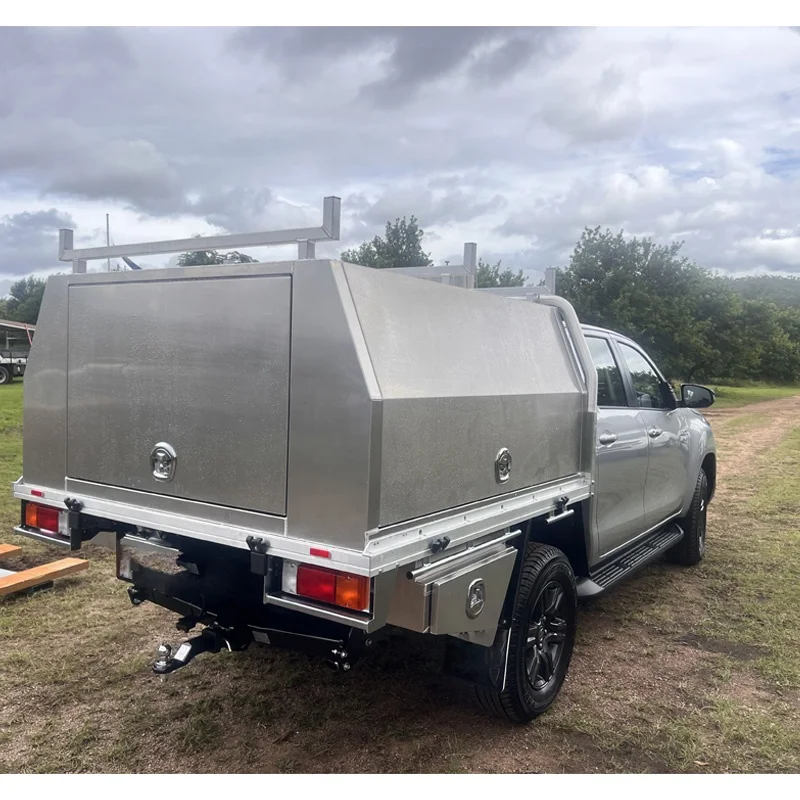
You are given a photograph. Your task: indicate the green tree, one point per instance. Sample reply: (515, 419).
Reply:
(201, 258)
(645, 290)
(778, 289)
(401, 246)
(695, 324)
(3, 308)
(489, 275)
(25, 300)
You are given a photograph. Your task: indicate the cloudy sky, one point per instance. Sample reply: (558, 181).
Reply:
(515, 138)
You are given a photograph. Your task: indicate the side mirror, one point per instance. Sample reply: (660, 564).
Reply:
(694, 396)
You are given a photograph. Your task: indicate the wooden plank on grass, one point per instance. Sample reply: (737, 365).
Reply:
(9, 550)
(36, 575)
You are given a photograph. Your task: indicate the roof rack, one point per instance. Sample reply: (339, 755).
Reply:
(305, 238)
(463, 275)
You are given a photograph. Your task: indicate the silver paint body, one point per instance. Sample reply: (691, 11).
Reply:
(323, 404)
(643, 480)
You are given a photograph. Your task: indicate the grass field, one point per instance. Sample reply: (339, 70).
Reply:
(735, 396)
(677, 670)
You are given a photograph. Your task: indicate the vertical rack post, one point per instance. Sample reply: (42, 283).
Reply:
(550, 279)
(65, 243)
(306, 249)
(471, 263)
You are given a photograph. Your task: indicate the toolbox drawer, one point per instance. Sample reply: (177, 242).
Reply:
(453, 606)
(442, 601)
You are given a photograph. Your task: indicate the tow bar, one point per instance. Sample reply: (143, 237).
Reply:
(210, 640)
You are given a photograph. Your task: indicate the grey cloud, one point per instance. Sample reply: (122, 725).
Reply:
(421, 55)
(411, 58)
(64, 159)
(129, 171)
(26, 147)
(513, 54)
(60, 65)
(137, 117)
(307, 45)
(241, 209)
(522, 122)
(31, 46)
(431, 208)
(724, 215)
(29, 240)
(505, 60)
(610, 107)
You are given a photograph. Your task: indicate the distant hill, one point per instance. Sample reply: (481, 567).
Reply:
(774, 288)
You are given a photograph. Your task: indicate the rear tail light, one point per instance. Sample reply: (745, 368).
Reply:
(326, 585)
(45, 518)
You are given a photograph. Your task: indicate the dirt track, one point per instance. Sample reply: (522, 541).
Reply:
(646, 691)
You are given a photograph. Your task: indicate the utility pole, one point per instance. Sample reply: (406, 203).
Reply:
(108, 244)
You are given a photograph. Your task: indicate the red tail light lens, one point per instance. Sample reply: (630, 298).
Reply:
(336, 588)
(317, 583)
(42, 517)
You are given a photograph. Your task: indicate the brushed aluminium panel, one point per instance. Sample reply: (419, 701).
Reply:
(44, 442)
(440, 452)
(429, 340)
(449, 595)
(410, 606)
(330, 424)
(462, 375)
(202, 364)
(225, 518)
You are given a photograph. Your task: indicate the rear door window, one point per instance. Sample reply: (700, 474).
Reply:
(610, 389)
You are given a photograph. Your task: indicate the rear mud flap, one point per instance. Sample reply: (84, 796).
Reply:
(481, 666)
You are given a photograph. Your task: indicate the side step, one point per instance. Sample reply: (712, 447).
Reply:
(627, 563)
(35, 577)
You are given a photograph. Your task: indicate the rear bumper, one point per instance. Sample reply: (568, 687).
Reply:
(41, 536)
(387, 554)
(202, 579)
(217, 532)
(384, 549)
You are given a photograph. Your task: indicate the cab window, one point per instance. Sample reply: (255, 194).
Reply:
(651, 391)
(610, 389)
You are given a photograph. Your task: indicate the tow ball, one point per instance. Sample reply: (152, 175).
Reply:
(211, 640)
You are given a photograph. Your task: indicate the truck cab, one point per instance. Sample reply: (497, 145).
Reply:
(648, 442)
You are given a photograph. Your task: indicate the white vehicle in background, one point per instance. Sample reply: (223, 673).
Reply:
(15, 342)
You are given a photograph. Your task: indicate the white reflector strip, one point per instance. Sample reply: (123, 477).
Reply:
(289, 580)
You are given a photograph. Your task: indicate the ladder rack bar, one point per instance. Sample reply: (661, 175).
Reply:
(329, 231)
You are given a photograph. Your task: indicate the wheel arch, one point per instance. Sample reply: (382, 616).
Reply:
(709, 466)
(567, 535)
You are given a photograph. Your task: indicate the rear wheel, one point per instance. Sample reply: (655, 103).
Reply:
(541, 638)
(5, 375)
(691, 549)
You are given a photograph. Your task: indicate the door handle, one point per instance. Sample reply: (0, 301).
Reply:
(607, 438)
(654, 433)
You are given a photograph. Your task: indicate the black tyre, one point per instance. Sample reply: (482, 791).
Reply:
(541, 638)
(691, 549)
(5, 375)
